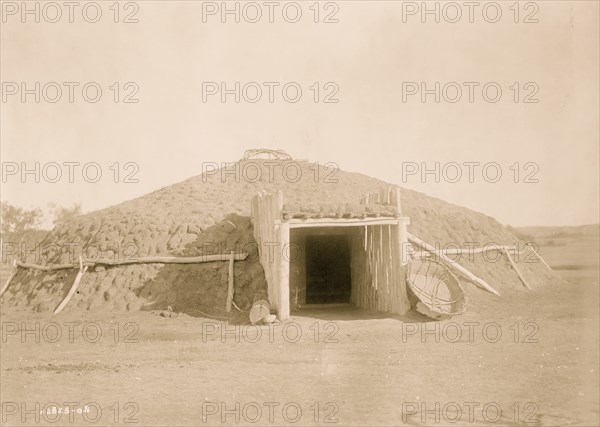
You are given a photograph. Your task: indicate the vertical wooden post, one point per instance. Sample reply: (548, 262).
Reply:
(402, 297)
(274, 214)
(397, 200)
(284, 271)
(403, 237)
(230, 283)
(283, 297)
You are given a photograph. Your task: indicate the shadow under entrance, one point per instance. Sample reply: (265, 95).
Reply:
(328, 278)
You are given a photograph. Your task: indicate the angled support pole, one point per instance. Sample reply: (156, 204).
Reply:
(452, 264)
(514, 266)
(82, 270)
(12, 275)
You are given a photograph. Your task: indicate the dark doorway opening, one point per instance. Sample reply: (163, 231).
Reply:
(328, 279)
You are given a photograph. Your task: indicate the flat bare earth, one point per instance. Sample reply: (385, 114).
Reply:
(180, 366)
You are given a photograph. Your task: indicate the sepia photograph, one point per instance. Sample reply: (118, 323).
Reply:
(368, 213)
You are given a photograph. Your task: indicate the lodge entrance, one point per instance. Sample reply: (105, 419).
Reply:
(334, 253)
(328, 277)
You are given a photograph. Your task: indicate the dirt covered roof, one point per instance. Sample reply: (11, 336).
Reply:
(166, 221)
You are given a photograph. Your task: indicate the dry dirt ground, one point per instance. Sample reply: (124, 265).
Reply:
(348, 367)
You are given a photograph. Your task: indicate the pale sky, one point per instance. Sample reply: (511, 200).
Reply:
(368, 54)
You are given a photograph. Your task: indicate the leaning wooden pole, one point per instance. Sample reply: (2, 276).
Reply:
(453, 264)
(540, 257)
(12, 276)
(230, 283)
(512, 263)
(63, 304)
